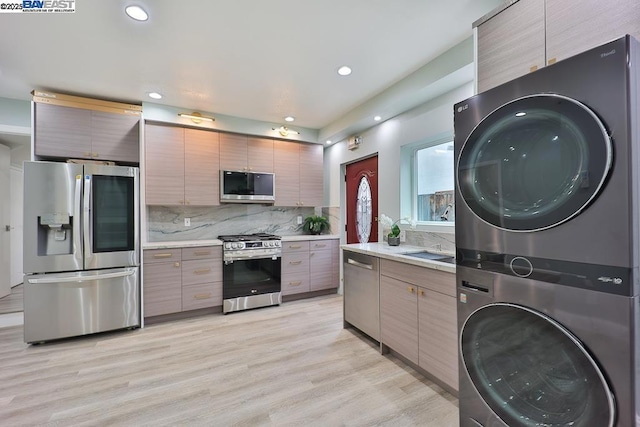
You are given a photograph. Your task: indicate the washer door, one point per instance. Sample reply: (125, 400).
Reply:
(531, 371)
(534, 163)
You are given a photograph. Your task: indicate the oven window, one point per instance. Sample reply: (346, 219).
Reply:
(534, 163)
(531, 371)
(251, 277)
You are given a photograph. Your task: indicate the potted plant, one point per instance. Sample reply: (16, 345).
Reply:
(315, 224)
(393, 238)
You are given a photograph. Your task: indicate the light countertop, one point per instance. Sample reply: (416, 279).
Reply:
(396, 253)
(217, 242)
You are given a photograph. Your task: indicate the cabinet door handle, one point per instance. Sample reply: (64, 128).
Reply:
(162, 255)
(177, 264)
(188, 202)
(295, 262)
(297, 283)
(202, 296)
(95, 155)
(411, 289)
(202, 271)
(200, 253)
(421, 292)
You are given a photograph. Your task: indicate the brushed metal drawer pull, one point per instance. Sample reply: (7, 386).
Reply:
(202, 271)
(295, 247)
(162, 255)
(359, 264)
(320, 246)
(298, 283)
(202, 253)
(202, 296)
(295, 262)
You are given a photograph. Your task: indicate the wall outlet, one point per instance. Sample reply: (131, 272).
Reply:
(403, 236)
(187, 222)
(299, 219)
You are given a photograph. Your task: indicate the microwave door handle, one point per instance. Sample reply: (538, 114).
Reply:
(87, 231)
(77, 221)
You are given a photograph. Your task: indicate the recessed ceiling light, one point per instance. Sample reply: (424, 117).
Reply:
(344, 70)
(377, 118)
(155, 95)
(328, 141)
(137, 13)
(289, 119)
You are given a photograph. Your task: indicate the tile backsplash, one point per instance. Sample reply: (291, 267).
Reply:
(431, 240)
(166, 223)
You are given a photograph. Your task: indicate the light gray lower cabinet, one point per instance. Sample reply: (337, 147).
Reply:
(309, 265)
(511, 44)
(176, 280)
(573, 26)
(399, 316)
(418, 317)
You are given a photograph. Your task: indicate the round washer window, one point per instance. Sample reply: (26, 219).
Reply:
(531, 371)
(534, 163)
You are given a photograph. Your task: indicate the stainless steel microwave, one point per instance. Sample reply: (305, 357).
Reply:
(247, 187)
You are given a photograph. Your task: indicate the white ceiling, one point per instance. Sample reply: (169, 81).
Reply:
(254, 59)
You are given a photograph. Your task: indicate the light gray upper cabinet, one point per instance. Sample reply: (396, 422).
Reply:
(574, 26)
(299, 174)
(69, 132)
(511, 44)
(530, 34)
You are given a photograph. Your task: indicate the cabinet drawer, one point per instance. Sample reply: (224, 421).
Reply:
(295, 263)
(295, 283)
(161, 255)
(288, 247)
(201, 271)
(429, 278)
(205, 252)
(202, 295)
(320, 245)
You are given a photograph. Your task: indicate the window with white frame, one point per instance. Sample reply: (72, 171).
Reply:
(428, 185)
(432, 169)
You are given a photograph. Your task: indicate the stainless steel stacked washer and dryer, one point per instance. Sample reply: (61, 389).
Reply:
(547, 234)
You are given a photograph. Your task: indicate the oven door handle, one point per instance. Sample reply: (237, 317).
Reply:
(232, 260)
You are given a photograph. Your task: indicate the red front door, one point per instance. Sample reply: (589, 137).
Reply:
(362, 200)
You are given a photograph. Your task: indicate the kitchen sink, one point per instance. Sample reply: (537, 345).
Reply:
(432, 256)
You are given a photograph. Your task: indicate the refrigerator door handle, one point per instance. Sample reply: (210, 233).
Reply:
(87, 231)
(77, 214)
(82, 278)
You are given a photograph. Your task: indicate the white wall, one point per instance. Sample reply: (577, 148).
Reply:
(426, 121)
(16, 234)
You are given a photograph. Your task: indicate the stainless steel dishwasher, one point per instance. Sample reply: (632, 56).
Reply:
(362, 293)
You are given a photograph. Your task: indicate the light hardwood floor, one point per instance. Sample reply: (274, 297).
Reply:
(12, 303)
(291, 365)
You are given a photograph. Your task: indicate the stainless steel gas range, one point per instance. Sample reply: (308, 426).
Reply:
(251, 271)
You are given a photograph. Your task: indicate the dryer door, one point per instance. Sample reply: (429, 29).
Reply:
(531, 371)
(534, 163)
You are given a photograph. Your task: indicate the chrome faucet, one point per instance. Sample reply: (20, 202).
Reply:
(447, 211)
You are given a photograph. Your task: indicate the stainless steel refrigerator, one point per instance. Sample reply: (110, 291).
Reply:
(81, 249)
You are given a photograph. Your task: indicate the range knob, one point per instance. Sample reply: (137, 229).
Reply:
(227, 245)
(267, 244)
(276, 243)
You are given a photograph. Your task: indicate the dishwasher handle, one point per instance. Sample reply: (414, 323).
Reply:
(359, 264)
